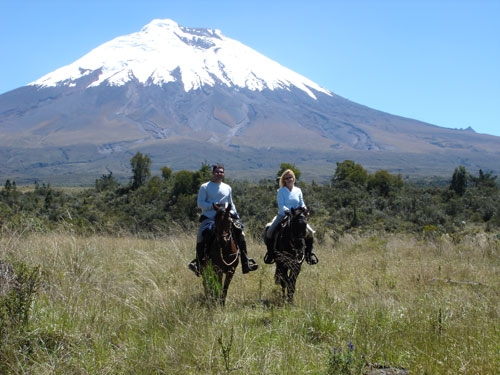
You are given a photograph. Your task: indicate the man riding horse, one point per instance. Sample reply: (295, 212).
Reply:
(218, 192)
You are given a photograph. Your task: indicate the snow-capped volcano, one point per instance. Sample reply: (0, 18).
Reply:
(164, 51)
(188, 95)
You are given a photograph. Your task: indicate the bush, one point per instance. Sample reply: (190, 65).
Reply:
(19, 284)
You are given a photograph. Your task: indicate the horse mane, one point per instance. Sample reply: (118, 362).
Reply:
(221, 216)
(299, 211)
(293, 215)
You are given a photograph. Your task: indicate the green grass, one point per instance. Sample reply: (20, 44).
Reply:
(130, 306)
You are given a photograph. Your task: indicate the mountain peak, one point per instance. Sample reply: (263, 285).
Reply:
(160, 26)
(164, 51)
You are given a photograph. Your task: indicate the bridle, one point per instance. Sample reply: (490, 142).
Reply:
(225, 237)
(298, 214)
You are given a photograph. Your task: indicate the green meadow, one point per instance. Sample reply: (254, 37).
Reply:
(94, 280)
(126, 305)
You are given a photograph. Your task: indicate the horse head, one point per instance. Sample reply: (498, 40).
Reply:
(223, 220)
(298, 222)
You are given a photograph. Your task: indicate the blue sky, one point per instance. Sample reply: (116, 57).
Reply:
(436, 61)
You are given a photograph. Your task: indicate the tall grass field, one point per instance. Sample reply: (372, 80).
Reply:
(428, 304)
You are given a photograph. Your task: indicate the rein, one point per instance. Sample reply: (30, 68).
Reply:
(301, 258)
(223, 240)
(288, 223)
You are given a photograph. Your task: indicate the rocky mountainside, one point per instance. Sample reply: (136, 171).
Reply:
(187, 96)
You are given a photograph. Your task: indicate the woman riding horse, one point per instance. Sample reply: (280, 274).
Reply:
(289, 196)
(293, 242)
(290, 250)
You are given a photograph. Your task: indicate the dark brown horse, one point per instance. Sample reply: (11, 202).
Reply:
(290, 251)
(222, 257)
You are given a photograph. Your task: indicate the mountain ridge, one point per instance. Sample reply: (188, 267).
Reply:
(90, 117)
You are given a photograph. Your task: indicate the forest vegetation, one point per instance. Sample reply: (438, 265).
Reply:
(408, 277)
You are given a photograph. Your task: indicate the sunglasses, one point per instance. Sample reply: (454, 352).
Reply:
(289, 178)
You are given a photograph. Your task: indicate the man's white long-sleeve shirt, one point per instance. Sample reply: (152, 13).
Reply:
(211, 192)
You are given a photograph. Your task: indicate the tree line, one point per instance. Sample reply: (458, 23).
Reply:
(354, 199)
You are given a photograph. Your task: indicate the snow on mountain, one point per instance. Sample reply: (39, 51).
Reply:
(163, 50)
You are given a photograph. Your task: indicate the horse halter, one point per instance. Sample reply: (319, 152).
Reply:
(296, 219)
(224, 234)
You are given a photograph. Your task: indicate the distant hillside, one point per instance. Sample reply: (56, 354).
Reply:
(187, 96)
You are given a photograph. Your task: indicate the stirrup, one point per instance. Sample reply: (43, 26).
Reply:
(269, 257)
(312, 259)
(251, 265)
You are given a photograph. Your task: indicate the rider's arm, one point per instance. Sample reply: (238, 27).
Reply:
(282, 208)
(202, 201)
(234, 212)
(301, 200)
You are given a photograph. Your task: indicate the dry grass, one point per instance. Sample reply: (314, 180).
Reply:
(131, 306)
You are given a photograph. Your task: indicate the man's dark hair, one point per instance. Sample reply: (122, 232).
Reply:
(217, 166)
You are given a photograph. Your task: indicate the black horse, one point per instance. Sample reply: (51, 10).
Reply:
(222, 258)
(290, 250)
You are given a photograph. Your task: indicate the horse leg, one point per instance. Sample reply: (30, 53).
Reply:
(294, 274)
(227, 281)
(285, 282)
(291, 287)
(278, 275)
(221, 286)
(288, 289)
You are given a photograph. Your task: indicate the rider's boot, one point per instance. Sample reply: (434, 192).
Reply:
(269, 256)
(311, 258)
(247, 264)
(195, 264)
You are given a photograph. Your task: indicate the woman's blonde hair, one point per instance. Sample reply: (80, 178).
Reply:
(282, 178)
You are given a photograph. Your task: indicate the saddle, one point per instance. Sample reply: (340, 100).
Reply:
(269, 257)
(271, 242)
